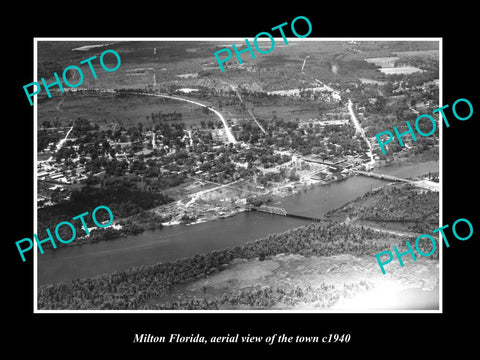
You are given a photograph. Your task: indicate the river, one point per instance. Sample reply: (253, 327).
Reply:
(317, 201)
(180, 241)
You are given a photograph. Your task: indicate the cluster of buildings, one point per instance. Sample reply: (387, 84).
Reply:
(203, 153)
(50, 170)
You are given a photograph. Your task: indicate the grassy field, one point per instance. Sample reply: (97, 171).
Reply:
(107, 108)
(285, 108)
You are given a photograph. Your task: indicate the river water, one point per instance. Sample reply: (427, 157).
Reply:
(180, 241)
(316, 202)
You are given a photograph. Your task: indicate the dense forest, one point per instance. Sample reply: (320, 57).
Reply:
(123, 201)
(395, 204)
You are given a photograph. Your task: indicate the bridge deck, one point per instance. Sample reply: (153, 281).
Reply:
(275, 210)
(429, 185)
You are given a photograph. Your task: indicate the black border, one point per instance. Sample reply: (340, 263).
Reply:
(91, 333)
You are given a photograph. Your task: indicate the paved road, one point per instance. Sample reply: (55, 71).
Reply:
(61, 142)
(361, 131)
(230, 136)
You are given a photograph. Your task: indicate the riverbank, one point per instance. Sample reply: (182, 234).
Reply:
(183, 241)
(402, 160)
(202, 211)
(120, 228)
(122, 290)
(210, 216)
(393, 207)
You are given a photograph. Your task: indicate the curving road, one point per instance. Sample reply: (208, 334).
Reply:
(62, 141)
(230, 136)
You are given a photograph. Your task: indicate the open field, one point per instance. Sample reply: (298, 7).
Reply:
(341, 282)
(108, 108)
(281, 108)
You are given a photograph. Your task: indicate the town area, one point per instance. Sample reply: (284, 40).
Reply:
(194, 148)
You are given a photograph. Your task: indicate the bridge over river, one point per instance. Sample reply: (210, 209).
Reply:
(425, 184)
(281, 211)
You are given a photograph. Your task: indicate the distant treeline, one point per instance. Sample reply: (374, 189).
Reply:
(46, 137)
(166, 116)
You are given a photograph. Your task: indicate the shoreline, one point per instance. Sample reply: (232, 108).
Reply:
(276, 196)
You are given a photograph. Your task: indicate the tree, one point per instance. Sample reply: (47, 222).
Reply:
(56, 196)
(261, 256)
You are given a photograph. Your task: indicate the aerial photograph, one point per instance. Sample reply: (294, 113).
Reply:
(259, 188)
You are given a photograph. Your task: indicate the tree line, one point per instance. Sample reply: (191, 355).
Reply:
(138, 287)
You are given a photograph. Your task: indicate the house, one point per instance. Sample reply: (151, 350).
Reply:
(56, 176)
(145, 153)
